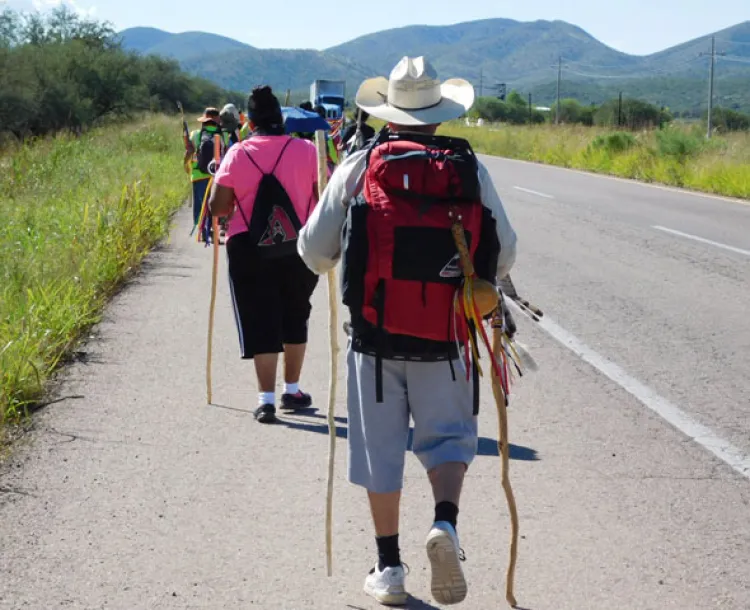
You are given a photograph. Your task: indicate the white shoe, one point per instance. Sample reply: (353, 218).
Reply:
(387, 586)
(448, 582)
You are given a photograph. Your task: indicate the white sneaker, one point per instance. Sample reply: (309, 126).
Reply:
(387, 586)
(448, 582)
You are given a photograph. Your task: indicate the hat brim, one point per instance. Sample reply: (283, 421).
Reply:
(457, 97)
(206, 119)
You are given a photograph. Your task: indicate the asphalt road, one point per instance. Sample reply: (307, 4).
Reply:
(630, 444)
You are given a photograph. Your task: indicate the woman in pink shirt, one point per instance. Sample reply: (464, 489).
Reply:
(267, 184)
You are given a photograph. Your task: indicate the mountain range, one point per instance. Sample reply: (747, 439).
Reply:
(522, 55)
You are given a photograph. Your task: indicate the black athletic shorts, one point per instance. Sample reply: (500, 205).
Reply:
(271, 298)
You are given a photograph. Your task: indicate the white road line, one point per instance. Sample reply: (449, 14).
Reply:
(537, 193)
(651, 185)
(702, 240)
(705, 437)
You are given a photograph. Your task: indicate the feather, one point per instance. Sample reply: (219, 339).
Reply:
(527, 361)
(507, 287)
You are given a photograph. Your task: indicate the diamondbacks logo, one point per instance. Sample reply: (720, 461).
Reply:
(280, 228)
(452, 268)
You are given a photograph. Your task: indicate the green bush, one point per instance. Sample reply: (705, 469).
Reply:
(679, 144)
(614, 143)
(726, 119)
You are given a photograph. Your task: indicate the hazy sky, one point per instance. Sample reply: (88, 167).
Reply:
(633, 26)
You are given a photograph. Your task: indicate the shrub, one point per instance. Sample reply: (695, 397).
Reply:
(613, 143)
(679, 144)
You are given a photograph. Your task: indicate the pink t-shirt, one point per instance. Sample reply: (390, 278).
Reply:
(297, 171)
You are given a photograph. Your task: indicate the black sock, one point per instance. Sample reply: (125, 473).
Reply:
(388, 552)
(446, 511)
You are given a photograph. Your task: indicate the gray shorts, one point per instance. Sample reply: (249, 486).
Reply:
(445, 427)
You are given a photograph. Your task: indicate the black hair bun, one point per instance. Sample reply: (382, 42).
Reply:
(263, 93)
(264, 110)
(263, 102)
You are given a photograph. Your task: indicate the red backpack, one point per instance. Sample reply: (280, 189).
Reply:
(401, 266)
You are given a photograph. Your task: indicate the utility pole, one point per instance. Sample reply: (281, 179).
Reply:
(711, 71)
(559, 78)
(481, 82)
(619, 111)
(711, 87)
(531, 113)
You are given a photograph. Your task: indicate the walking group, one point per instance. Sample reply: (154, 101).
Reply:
(423, 241)
(207, 146)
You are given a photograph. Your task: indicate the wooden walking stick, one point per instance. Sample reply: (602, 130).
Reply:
(214, 273)
(185, 136)
(480, 299)
(501, 401)
(320, 143)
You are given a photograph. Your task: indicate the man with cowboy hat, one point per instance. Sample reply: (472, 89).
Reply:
(412, 378)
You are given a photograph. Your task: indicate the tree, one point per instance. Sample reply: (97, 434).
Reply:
(489, 109)
(514, 110)
(726, 119)
(514, 99)
(572, 111)
(60, 71)
(64, 24)
(635, 114)
(10, 28)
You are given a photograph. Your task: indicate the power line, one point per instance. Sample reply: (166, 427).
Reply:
(638, 74)
(730, 41)
(740, 60)
(609, 76)
(637, 70)
(603, 67)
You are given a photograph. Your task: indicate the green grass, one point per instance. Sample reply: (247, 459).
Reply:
(77, 216)
(678, 156)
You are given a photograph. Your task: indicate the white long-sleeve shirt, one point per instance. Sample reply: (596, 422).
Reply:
(319, 242)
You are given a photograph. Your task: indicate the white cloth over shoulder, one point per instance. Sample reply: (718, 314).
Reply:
(319, 242)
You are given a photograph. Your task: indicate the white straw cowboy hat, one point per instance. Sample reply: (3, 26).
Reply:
(414, 96)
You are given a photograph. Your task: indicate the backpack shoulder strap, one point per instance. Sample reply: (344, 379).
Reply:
(203, 131)
(281, 154)
(249, 156)
(458, 145)
(275, 165)
(383, 136)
